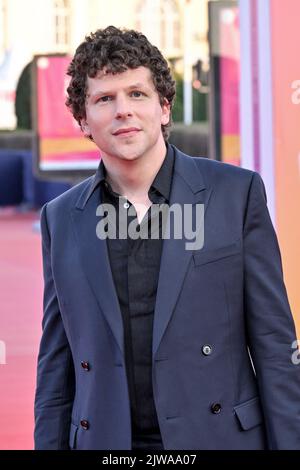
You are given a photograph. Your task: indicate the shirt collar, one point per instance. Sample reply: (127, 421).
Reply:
(163, 179)
(161, 183)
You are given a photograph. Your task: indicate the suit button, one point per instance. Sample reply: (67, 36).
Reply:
(85, 365)
(216, 408)
(206, 349)
(84, 424)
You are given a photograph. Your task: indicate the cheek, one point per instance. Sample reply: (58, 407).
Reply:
(156, 118)
(98, 117)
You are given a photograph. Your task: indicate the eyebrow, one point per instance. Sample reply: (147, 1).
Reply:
(131, 87)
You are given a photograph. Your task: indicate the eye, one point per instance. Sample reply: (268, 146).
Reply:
(104, 99)
(137, 94)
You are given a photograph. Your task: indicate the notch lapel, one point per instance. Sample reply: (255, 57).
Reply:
(187, 188)
(95, 262)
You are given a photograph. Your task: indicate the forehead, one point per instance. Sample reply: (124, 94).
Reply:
(125, 79)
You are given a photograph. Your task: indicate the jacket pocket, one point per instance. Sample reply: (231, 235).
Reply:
(249, 413)
(72, 436)
(209, 256)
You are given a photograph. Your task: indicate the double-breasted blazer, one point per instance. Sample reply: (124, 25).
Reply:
(222, 369)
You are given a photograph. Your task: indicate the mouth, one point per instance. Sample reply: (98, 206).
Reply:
(126, 132)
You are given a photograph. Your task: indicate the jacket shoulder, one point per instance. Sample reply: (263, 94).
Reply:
(70, 196)
(214, 168)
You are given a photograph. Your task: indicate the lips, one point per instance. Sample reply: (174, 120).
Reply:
(126, 131)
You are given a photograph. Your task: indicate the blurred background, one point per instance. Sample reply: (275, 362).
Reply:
(238, 101)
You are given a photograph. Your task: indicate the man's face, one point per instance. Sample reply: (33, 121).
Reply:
(123, 113)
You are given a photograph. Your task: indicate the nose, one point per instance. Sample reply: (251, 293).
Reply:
(123, 108)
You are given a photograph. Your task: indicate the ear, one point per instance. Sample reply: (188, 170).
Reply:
(166, 110)
(85, 128)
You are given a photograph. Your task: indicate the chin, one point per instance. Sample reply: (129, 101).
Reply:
(129, 154)
(130, 157)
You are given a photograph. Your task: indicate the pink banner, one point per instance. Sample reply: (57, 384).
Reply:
(229, 84)
(61, 142)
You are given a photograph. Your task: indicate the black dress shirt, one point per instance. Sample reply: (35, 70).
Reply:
(135, 265)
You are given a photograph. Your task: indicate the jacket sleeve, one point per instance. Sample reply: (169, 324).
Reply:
(55, 373)
(270, 326)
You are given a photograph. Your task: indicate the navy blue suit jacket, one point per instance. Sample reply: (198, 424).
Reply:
(241, 393)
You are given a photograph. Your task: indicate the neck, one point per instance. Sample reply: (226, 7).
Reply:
(133, 178)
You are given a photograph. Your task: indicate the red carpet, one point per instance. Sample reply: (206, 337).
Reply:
(21, 286)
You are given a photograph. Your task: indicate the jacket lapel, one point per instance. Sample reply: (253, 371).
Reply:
(188, 187)
(95, 261)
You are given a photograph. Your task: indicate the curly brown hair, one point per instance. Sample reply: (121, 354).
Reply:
(117, 50)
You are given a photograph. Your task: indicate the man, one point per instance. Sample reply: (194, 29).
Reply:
(154, 343)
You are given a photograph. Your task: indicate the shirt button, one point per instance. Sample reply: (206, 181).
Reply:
(85, 365)
(84, 424)
(126, 205)
(216, 408)
(206, 349)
